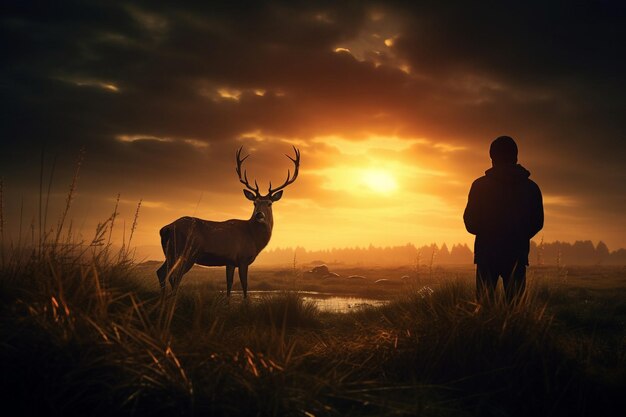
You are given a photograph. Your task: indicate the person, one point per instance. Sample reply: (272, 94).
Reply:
(504, 210)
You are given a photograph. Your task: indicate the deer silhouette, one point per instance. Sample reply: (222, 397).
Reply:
(232, 243)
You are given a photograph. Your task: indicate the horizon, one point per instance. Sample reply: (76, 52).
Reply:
(580, 252)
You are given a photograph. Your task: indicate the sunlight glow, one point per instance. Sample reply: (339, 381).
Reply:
(196, 143)
(110, 87)
(372, 142)
(83, 82)
(134, 138)
(367, 182)
(229, 93)
(377, 165)
(379, 181)
(374, 42)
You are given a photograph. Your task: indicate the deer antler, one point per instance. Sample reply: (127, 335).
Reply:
(289, 179)
(244, 180)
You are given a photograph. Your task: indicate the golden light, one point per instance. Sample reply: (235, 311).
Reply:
(229, 93)
(379, 181)
(83, 82)
(110, 87)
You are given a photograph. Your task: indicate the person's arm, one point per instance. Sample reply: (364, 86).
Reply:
(536, 213)
(472, 215)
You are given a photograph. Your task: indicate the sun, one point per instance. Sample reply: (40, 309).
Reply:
(379, 181)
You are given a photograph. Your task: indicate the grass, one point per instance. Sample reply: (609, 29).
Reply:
(82, 334)
(85, 331)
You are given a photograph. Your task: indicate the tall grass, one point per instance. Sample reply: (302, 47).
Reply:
(84, 338)
(80, 336)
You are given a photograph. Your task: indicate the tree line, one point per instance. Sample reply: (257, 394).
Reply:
(582, 252)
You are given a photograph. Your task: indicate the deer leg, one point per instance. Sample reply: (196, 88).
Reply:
(174, 280)
(162, 273)
(177, 275)
(243, 277)
(230, 272)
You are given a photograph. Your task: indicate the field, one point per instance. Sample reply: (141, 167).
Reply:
(97, 338)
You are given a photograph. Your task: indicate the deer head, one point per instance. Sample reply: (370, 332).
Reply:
(263, 203)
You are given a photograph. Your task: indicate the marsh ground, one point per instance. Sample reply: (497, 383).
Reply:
(98, 339)
(589, 283)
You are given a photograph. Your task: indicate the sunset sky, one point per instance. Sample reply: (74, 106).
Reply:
(392, 104)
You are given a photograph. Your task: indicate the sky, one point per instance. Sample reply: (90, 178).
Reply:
(393, 106)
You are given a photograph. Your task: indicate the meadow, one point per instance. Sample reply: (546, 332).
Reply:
(87, 331)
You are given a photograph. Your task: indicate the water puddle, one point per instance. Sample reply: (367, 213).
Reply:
(337, 304)
(329, 302)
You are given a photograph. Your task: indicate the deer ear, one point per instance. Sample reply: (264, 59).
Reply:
(277, 196)
(249, 195)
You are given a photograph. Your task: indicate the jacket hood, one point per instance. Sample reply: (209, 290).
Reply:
(508, 173)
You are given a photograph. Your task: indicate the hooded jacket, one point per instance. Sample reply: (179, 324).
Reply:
(504, 210)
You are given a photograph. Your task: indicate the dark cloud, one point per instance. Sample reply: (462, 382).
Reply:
(185, 84)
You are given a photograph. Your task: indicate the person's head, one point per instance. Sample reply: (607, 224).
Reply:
(503, 151)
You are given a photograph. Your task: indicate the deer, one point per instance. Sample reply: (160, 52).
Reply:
(232, 243)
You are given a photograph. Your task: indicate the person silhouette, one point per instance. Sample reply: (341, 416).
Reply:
(504, 210)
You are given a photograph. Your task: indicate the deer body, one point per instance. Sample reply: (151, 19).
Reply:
(232, 243)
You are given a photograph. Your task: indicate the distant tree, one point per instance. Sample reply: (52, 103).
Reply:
(602, 253)
(540, 248)
(461, 254)
(555, 253)
(444, 254)
(583, 253)
(618, 257)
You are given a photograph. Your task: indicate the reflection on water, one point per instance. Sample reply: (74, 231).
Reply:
(329, 302)
(337, 304)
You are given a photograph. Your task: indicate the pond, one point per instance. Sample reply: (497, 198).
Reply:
(329, 302)
(342, 304)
